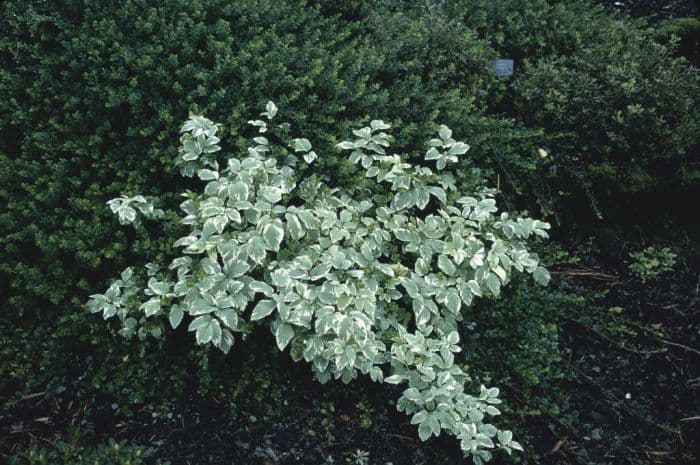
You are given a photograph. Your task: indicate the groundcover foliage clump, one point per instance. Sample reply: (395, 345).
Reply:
(349, 283)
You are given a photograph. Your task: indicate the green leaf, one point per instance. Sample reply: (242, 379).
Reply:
(474, 287)
(489, 430)
(379, 125)
(422, 198)
(425, 431)
(349, 355)
(301, 145)
(541, 276)
(192, 147)
(445, 133)
(412, 394)
(270, 110)
(491, 410)
(422, 267)
(176, 315)
(346, 145)
(127, 215)
(432, 154)
(419, 417)
(337, 234)
(256, 250)
(271, 194)
(309, 157)
(226, 341)
(446, 265)
(394, 379)
(261, 287)
(159, 288)
(238, 191)
(273, 233)
(453, 302)
(403, 235)
(294, 227)
(439, 193)
(494, 284)
(151, 307)
(459, 148)
(201, 307)
(198, 322)
(283, 334)
(237, 268)
(319, 271)
(262, 309)
(403, 200)
(453, 338)
(209, 266)
(308, 218)
(345, 328)
(229, 317)
(209, 332)
(207, 175)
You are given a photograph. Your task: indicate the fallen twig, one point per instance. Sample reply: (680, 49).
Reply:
(612, 341)
(32, 396)
(675, 344)
(587, 274)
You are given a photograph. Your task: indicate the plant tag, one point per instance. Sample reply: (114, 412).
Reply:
(502, 67)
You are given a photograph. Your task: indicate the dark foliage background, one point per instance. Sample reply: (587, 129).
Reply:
(91, 98)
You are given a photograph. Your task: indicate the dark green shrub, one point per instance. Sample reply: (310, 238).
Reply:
(620, 102)
(623, 103)
(687, 32)
(529, 29)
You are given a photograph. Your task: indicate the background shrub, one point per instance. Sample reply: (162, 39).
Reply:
(622, 105)
(687, 32)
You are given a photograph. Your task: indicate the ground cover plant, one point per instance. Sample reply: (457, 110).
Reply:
(112, 453)
(348, 284)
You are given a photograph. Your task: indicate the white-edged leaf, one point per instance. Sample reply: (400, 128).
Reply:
(541, 275)
(301, 145)
(273, 233)
(261, 287)
(309, 157)
(283, 334)
(446, 265)
(262, 309)
(207, 175)
(176, 315)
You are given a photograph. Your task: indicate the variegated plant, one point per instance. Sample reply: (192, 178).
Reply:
(347, 285)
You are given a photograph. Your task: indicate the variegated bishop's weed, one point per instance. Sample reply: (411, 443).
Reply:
(348, 285)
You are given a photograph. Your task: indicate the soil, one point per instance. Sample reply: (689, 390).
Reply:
(631, 397)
